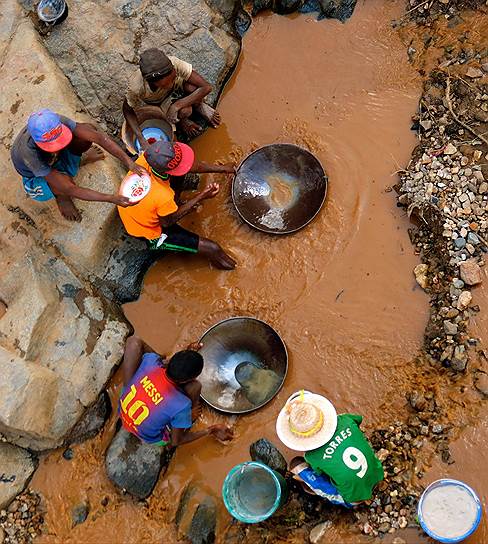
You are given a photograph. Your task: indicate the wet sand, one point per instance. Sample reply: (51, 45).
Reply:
(340, 292)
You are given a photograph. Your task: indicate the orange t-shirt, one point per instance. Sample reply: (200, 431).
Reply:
(142, 219)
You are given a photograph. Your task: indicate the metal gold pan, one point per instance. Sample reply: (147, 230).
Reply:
(279, 188)
(228, 344)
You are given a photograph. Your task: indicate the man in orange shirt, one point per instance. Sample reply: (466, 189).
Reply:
(155, 217)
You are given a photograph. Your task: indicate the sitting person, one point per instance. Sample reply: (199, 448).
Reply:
(48, 153)
(339, 463)
(154, 83)
(155, 217)
(160, 395)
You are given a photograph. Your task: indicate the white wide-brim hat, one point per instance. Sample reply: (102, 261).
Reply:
(321, 437)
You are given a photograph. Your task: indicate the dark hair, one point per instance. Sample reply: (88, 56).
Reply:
(184, 366)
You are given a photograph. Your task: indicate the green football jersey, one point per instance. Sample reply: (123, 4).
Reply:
(348, 460)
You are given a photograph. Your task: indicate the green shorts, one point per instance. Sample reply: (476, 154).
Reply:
(177, 239)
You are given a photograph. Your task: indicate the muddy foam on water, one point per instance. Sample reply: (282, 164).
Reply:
(449, 511)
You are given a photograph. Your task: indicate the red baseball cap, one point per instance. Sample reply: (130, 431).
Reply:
(48, 131)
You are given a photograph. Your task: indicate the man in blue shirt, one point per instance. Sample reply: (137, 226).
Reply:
(48, 153)
(159, 396)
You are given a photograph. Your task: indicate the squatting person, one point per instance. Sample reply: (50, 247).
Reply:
(156, 216)
(48, 153)
(340, 464)
(155, 82)
(160, 395)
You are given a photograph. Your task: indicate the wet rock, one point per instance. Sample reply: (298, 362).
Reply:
(124, 274)
(450, 149)
(474, 72)
(417, 401)
(266, 452)
(332, 9)
(79, 514)
(242, 22)
(420, 273)
(464, 300)
(134, 466)
(459, 243)
(460, 359)
(287, 6)
(481, 383)
(470, 272)
(319, 532)
(68, 454)
(204, 522)
(92, 421)
(16, 467)
(450, 328)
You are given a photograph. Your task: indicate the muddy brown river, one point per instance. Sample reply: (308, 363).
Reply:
(340, 292)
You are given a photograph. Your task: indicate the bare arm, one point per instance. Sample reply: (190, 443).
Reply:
(86, 132)
(134, 350)
(209, 192)
(200, 167)
(202, 89)
(63, 185)
(184, 436)
(131, 118)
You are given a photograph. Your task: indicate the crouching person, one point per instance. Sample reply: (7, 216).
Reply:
(156, 216)
(339, 464)
(159, 395)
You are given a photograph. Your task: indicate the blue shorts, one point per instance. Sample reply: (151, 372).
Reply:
(319, 484)
(38, 188)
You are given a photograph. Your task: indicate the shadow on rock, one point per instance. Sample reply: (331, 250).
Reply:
(126, 269)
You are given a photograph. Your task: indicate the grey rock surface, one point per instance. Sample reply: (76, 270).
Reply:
(204, 522)
(16, 468)
(266, 452)
(134, 466)
(98, 58)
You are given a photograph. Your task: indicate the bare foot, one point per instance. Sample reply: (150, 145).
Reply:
(94, 154)
(211, 115)
(190, 128)
(68, 210)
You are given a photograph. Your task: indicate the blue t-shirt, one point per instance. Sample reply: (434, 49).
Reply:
(150, 402)
(31, 161)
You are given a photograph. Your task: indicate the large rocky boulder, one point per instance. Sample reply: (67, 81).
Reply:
(16, 468)
(98, 46)
(60, 339)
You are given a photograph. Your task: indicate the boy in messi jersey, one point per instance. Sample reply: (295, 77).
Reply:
(159, 395)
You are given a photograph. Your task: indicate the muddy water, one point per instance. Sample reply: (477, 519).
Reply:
(341, 292)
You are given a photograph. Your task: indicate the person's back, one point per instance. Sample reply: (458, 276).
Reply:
(142, 219)
(150, 402)
(348, 460)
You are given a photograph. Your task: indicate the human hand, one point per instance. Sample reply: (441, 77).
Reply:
(139, 170)
(122, 201)
(194, 346)
(172, 114)
(221, 432)
(210, 191)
